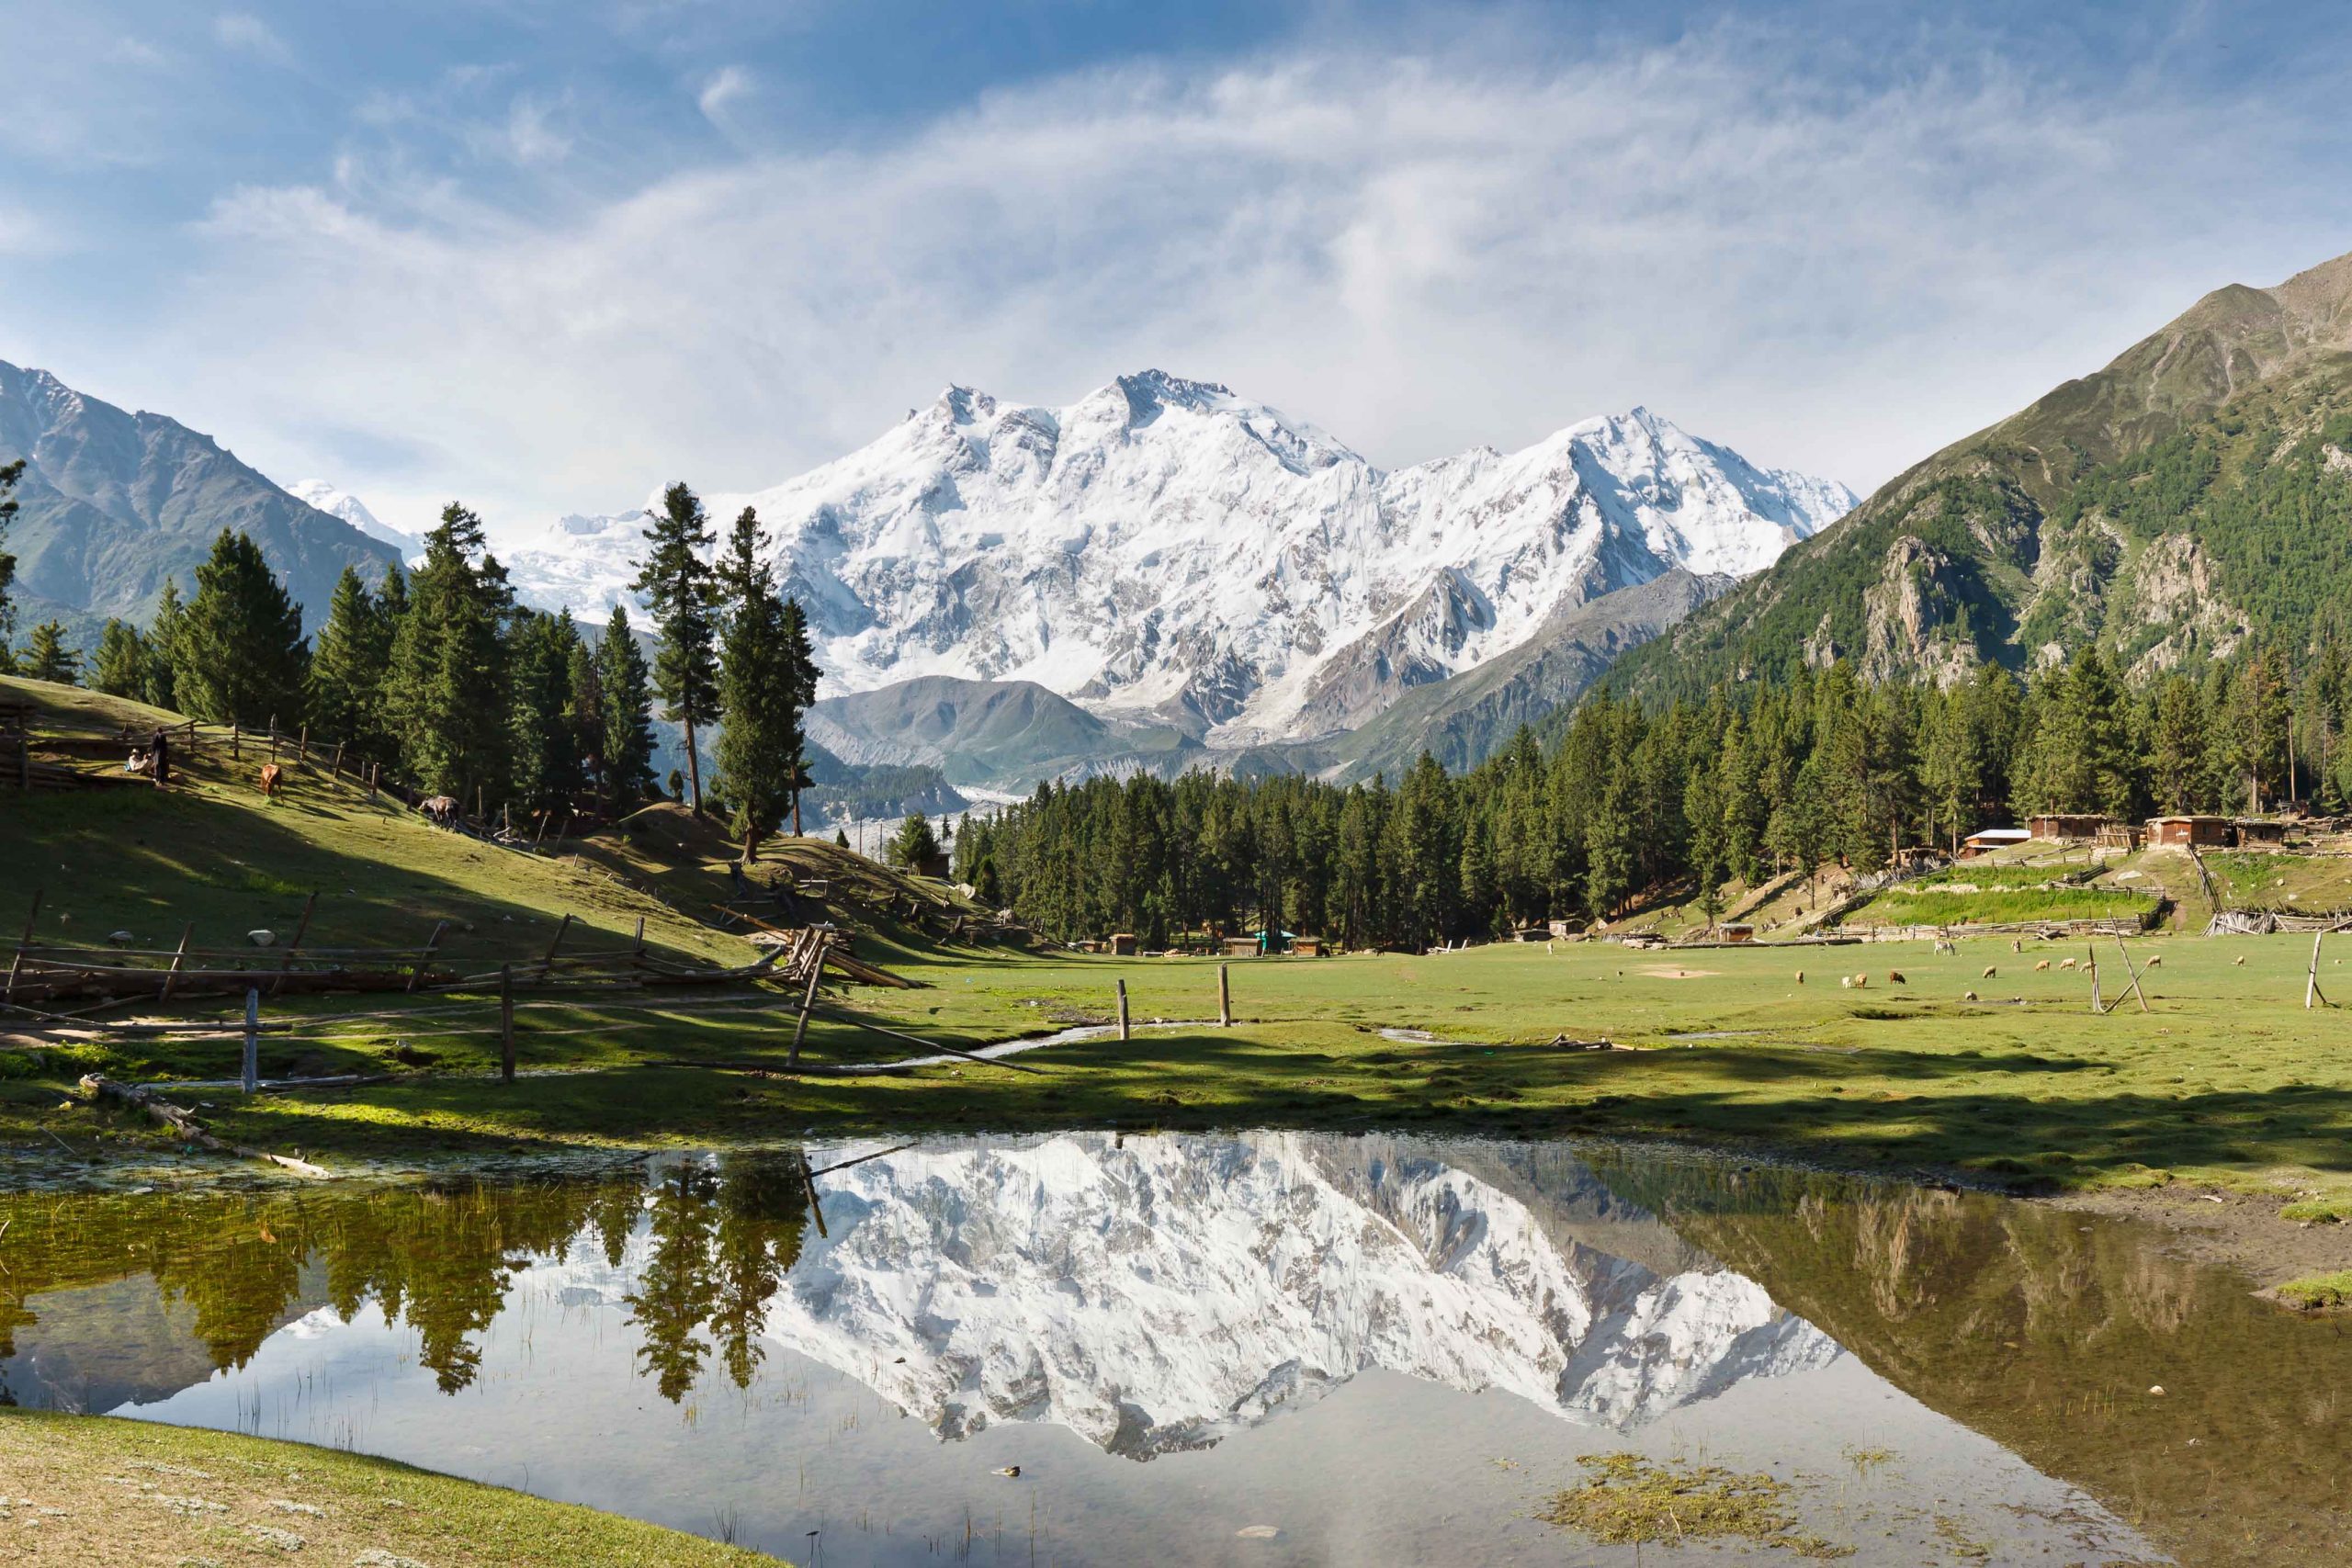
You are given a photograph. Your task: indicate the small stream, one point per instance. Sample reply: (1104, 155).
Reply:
(1262, 1348)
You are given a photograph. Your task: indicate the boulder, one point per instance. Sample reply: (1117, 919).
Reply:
(261, 938)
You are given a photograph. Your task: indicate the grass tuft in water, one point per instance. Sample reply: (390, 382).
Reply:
(2319, 1293)
(1628, 1501)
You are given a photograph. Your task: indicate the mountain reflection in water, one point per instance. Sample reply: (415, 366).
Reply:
(1159, 1295)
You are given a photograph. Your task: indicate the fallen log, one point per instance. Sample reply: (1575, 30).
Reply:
(182, 1120)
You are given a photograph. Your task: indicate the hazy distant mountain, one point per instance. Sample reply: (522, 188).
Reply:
(1002, 735)
(2196, 490)
(1165, 552)
(352, 510)
(114, 502)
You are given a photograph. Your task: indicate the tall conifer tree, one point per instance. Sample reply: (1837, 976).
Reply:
(676, 583)
(120, 668)
(444, 693)
(238, 654)
(626, 688)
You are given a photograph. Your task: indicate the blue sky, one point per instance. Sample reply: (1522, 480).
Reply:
(547, 256)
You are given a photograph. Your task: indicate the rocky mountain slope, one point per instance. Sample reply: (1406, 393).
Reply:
(1165, 552)
(1004, 734)
(114, 502)
(2193, 493)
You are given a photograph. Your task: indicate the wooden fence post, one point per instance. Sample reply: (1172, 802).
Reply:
(2312, 998)
(506, 1023)
(424, 959)
(302, 750)
(253, 1039)
(336, 771)
(637, 958)
(1225, 995)
(371, 781)
(808, 1001)
(171, 977)
(273, 738)
(236, 738)
(1125, 1033)
(2092, 955)
(301, 929)
(2132, 969)
(548, 962)
(32, 918)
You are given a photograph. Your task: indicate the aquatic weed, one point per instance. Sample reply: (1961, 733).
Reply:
(1628, 1501)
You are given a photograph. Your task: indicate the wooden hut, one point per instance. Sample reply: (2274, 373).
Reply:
(1123, 944)
(2065, 826)
(1307, 946)
(2201, 832)
(2250, 830)
(1985, 840)
(1735, 930)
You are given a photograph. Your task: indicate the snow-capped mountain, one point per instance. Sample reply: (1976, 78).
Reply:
(1164, 549)
(352, 510)
(1153, 1293)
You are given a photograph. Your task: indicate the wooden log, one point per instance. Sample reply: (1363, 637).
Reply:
(293, 949)
(172, 977)
(24, 942)
(1225, 995)
(425, 958)
(801, 1028)
(1125, 1033)
(183, 1122)
(252, 1040)
(2132, 970)
(506, 1023)
(548, 962)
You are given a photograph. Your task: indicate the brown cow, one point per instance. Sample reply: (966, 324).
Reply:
(271, 776)
(442, 809)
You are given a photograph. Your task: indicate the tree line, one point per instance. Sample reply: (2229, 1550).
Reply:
(1692, 799)
(439, 674)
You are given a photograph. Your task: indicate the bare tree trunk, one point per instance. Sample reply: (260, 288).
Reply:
(694, 765)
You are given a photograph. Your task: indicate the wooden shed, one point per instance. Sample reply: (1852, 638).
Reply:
(1985, 840)
(1307, 946)
(2065, 826)
(2260, 830)
(1123, 944)
(1735, 930)
(1241, 947)
(2203, 833)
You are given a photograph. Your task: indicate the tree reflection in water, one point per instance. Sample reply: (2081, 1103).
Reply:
(439, 1258)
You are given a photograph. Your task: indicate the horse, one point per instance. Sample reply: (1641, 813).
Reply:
(272, 776)
(441, 808)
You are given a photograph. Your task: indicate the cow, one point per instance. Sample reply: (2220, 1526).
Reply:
(1894, 978)
(1943, 947)
(272, 776)
(441, 808)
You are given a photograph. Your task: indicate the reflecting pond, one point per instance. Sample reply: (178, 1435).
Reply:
(1267, 1347)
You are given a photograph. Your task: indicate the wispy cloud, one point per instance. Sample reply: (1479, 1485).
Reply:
(244, 31)
(728, 85)
(1417, 254)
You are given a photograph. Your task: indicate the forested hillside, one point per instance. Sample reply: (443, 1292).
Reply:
(2193, 497)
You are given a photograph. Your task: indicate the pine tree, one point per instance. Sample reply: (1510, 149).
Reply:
(914, 845)
(585, 712)
(46, 657)
(238, 655)
(677, 586)
(800, 678)
(163, 647)
(347, 669)
(2177, 743)
(627, 689)
(759, 751)
(543, 758)
(444, 693)
(120, 670)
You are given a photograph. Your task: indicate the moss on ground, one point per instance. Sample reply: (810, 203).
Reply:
(97, 1492)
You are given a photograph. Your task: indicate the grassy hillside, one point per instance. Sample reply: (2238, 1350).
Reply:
(2198, 487)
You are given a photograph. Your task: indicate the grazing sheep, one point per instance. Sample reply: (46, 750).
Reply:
(2062, 964)
(1846, 982)
(1989, 972)
(2157, 962)
(1943, 947)
(2239, 961)
(2045, 963)
(1894, 978)
(1968, 997)
(1800, 976)
(1861, 982)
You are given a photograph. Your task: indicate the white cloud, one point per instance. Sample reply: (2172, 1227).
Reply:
(726, 86)
(1416, 255)
(244, 31)
(531, 135)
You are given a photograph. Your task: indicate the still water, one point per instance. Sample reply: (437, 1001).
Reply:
(1257, 1348)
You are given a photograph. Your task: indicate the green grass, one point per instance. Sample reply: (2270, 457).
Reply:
(136, 1492)
(1905, 905)
(2315, 1292)
(2262, 879)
